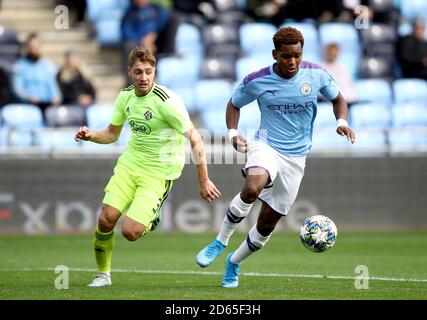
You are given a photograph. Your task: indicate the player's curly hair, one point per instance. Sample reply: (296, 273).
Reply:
(287, 35)
(139, 53)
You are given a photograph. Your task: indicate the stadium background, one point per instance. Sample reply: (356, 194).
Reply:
(53, 185)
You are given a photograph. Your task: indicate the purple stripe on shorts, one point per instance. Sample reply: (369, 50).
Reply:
(257, 74)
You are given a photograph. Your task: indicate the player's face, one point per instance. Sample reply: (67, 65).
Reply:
(288, 58)
(142, 75)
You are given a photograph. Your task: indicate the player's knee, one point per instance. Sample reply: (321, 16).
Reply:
(250, 194)
(105, 223)
(131, 235)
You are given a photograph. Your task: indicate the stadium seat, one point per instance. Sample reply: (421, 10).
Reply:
(370, 142)
(413, 8)
(410, 90)
(325, 117)
(226, 5)
(221, 41)
(107, 28)
(217, 68)
(409, 114)
(125, 135)
(373, 90)
(247, 65)
(311, 36)
(344, 34)
(170, 73)
(214, 121)
(55, 138)
(10, 47)
(370, 115)
(212, 95)
(250, 118)
(408, 139)
(188, 40)
(65, 116)
(256, 38)
(379, 40)
(99, 116)
(375, 68)
(96, 8)
(326, 140)
(22, 116)
(17, 137)
(187, 96)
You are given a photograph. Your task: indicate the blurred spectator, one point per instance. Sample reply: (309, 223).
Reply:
(197, 12)
(412, 51)
(34, 79)
(74, 81)
(6, 93)
(149, 25)
(10, 47)
(340, 73)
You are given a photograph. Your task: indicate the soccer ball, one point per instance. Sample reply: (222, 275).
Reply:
(318, 233)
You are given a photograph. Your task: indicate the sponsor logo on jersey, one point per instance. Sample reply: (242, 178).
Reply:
(140, 127)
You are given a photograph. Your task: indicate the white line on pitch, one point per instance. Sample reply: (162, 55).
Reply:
(248, 274)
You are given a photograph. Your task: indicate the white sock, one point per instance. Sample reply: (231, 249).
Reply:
(253, 242)
(237, 211)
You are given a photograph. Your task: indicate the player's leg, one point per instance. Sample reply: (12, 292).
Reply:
(257, 237)
(118, 194)
(256, 179)
(260, 170)
(144, 212)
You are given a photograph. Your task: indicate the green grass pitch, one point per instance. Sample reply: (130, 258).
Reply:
(162, 266)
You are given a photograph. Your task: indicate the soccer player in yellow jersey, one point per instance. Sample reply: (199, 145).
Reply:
(144, 173)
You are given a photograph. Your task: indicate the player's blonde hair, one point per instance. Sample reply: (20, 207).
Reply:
(141, 54)
(287, 35)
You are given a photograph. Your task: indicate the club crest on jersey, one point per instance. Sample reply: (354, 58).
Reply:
(148, 115)
(306, 89)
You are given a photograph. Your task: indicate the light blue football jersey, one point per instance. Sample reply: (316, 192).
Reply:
(288, 106)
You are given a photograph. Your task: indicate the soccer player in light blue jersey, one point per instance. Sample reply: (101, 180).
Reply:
(286, 93)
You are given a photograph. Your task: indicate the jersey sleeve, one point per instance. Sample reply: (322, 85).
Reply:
(176, 114)
(119, 115)
(328, 86)
(243, 94)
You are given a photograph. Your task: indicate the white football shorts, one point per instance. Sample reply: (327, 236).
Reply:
(285, 175)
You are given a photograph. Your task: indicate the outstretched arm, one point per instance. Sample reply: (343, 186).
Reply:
(341, 111)
(208, 190)
(232, 119)
(106, 136)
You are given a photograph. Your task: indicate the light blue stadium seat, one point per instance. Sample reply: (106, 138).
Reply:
(212, 95)
(107, 28)
(409, 114)
(370, 115)
(99, 116)
(256, 37)
(188, 41)
(410, 90)
(16, 137)
(95, 8)
(344, 34)
(247, 65)
(170, 71)
(187, 96)
(250, 118)
(214, 121)
(373, 90)
(325, 117)
(54, 138)
(413, 8)
(408, 139)
(370, 141)
(311, 36)
(327, 140)
(125, 135)
(22, 116)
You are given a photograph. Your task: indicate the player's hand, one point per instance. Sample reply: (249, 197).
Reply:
(346, 131)
(84, 133)
(208, 191)
(240, 144)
